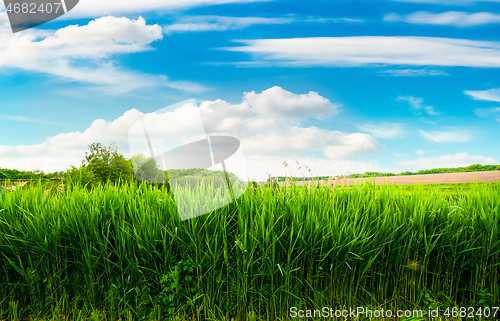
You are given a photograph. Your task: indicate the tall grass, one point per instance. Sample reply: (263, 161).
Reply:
(121, 252)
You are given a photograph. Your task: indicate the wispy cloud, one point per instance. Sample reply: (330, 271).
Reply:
(85, 53)
(447, 136)
(371, 50)
(25, 119)
(382, 131)
(420, 152)
(457, 160)
(488, 112)
(414, 72)
(417, 106)
(220, 23)
(451, 18)
(224, 23)
(99, 8)
(332, 20)
(489, 95)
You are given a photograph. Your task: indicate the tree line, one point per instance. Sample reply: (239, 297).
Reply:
(471, 168)
(103, 164)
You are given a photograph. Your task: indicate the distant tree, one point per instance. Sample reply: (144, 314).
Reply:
(81, 175)
(146, 169)
(98, 151)
(123, 168)
(497, 168)
(102, 164)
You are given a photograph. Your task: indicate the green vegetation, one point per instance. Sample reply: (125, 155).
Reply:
(119, 251)
(14, 174)
(471, 168)
(103, 164)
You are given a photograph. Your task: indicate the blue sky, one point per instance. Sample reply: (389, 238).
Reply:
(341, 86)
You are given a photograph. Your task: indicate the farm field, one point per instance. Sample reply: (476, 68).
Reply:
(120, 252)
(447, 178)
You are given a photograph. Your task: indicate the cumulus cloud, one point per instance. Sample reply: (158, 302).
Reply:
(256, 121)
(58, 152)
(276, 101)
(457, 160)
(447, 136)
(85, 53)
(371, 50)
(417, 106)
(265, 122)
(220, 23)
(490, 94)
(383, 131)
(450, 18)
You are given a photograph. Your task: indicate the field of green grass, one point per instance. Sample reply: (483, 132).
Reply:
(121, 252)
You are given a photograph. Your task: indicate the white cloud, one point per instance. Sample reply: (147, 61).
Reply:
(58, 152)
(447, 136)
(334, 20)
(264, 134)
(490, 95)
(220, 23)
(265, 122)
(84, 53)
(400, 155)
(450, 18)
(414, 72)
(457, 160)
(276, 102)
(383, 131)
(224, 23)
(297, 141)
(417, 106)
(371, 50)
(420, 152)
(489, 112)
(274, 108)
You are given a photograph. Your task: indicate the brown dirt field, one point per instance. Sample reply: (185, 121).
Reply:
(493, 176)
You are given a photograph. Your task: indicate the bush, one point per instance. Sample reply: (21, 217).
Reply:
(83, 176)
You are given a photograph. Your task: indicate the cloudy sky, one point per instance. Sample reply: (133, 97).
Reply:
(342, 86)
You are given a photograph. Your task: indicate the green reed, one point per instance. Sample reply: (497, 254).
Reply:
(121, 252)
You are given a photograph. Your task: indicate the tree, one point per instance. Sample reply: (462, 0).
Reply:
(81, 175)
(146, 169)
(97, 151)
(123, 168)
(105, 165)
